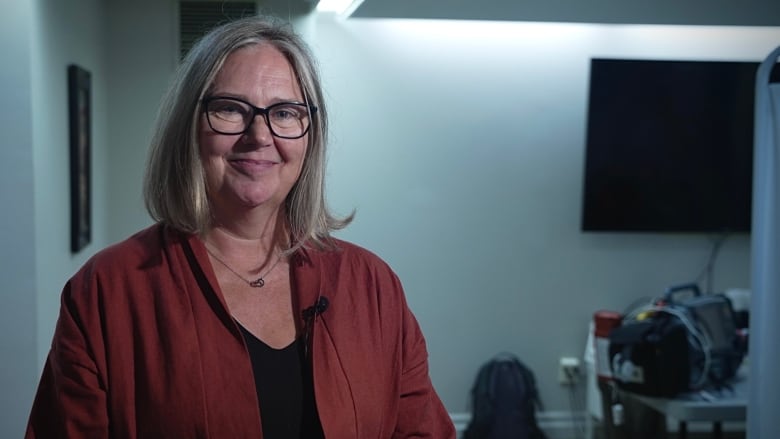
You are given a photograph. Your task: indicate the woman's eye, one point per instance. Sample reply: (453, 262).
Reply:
(229, 108)
(285, 114)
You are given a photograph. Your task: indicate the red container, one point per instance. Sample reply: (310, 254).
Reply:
(604, 322)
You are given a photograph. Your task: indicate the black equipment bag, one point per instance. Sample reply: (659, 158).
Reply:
(677, 346)
(650, 357)
(723, 349)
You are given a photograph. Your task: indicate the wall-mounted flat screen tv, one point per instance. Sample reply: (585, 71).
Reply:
(669, 146)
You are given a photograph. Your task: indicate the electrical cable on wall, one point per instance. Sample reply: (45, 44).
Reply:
(577, 405)
(708, 269)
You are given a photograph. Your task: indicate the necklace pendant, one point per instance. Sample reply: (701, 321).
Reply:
(257, 283)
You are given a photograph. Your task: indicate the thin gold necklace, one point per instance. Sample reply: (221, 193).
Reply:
(257, 283)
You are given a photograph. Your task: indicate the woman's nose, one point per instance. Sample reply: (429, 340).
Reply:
(259, 130)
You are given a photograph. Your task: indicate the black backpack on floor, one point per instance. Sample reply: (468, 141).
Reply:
(504, 401)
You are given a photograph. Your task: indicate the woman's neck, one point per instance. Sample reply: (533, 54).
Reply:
(248, 234)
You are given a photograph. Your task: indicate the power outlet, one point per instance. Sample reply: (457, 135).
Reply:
(569, 371)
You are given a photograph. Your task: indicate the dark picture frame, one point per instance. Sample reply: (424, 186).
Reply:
(80, 113)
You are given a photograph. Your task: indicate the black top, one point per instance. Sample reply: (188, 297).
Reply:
(285, 389)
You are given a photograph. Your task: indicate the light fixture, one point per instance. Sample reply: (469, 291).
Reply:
(342, 8)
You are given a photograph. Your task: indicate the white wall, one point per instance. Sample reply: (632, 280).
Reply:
(38, 39)
(18, 329)
(64, 33)
(461, 146)
(698, 12)
(142, 58)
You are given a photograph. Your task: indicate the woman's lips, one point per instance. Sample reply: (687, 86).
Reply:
(252, 165)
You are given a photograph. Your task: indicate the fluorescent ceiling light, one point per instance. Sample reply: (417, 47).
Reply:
(343, 8)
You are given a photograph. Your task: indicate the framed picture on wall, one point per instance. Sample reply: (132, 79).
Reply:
(79, 103)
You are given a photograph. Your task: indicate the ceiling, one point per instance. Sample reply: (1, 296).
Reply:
(695, 12)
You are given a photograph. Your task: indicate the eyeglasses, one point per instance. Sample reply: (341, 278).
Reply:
(232, 116)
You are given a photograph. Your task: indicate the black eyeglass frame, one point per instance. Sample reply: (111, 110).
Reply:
(312, 110)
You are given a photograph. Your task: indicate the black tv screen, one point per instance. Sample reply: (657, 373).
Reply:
(669, 146)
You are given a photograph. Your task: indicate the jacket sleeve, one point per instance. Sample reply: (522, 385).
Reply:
(421, 412)
(71, 396)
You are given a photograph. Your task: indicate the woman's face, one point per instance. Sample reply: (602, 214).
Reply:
(255, 168)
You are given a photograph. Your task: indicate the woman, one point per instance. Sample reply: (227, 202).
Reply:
(237, 315)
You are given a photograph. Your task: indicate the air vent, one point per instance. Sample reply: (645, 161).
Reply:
(198, 17)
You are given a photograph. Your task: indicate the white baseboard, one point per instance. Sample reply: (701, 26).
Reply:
(576, 425)
(557, 424)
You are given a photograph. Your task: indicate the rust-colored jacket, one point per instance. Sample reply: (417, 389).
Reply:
(145, 348)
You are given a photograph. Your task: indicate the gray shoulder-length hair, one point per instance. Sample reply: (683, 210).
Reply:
(174, 184)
